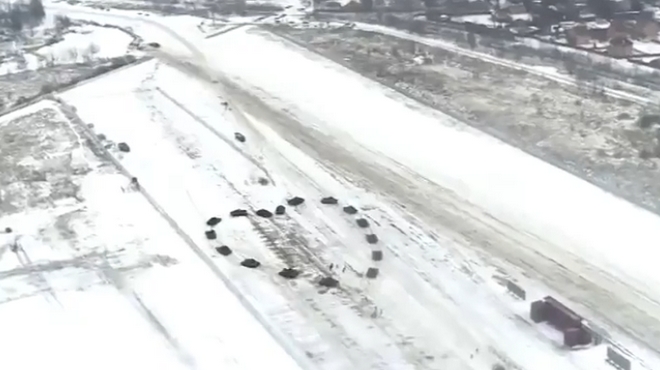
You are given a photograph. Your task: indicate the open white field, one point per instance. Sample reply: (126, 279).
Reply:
(91, 276)
(585, 243)
(433, 305)
(456, 211)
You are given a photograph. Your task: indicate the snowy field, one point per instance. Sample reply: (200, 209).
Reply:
(517, 199)
(57, 54)
(453, 226)
(87, 43)
(98, 279)
(84, 44)
(433, 306)
(603, 240)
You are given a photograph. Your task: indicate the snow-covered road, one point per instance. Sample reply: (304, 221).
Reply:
(472, 201)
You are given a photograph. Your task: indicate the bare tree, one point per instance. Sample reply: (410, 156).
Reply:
(37, 10)
(214, 10)
(62, 22)
(93, 49)
(86, 56)
(472, 40)
(50, 60)
(240, 7)
(21, 62)
(73, 54)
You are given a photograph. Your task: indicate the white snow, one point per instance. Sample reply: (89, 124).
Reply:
(101, 299)
(283, 3)
(485, 19)
(519, 189)
(522, 17)
(646, 47)
(150, 28)
(84, 44)
(88, 43)
(603, 233)
(199, 169)
(31, 62)
(547, 69)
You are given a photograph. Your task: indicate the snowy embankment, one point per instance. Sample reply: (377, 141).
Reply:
(580, 219)
(100, 280)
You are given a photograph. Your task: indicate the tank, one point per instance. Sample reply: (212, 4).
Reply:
(561, 318)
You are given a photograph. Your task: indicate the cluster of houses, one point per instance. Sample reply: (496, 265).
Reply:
(619, 28)
(617, 36)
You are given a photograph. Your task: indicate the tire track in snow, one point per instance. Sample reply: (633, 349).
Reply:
(249, 125)
(629, 311)
(320, 149)
(289, 252)
(227, 141)
(286, 344)
(117, 280)
(361, 303)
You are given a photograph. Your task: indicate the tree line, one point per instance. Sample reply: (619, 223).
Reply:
(18, 15)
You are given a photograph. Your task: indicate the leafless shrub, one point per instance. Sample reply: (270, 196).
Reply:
(62, 22)
(72, 54)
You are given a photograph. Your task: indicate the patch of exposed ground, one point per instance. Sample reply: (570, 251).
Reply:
(43, 160)
(19, 88)
(576, 128)
(35, 161)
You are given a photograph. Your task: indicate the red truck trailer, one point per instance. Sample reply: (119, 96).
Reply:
(563, 319)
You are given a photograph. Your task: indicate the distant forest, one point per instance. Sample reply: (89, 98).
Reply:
(16, 16)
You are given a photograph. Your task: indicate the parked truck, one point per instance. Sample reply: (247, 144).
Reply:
(563, 319)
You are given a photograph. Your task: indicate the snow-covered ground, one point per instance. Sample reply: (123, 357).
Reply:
(646, 47)
(600, 231)
(485, 19)
(82, 44)
(88, 43)
(100, 280)
(434, 306)
(28, 62)
(604, 237)
(151, 28)
(451, 206)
